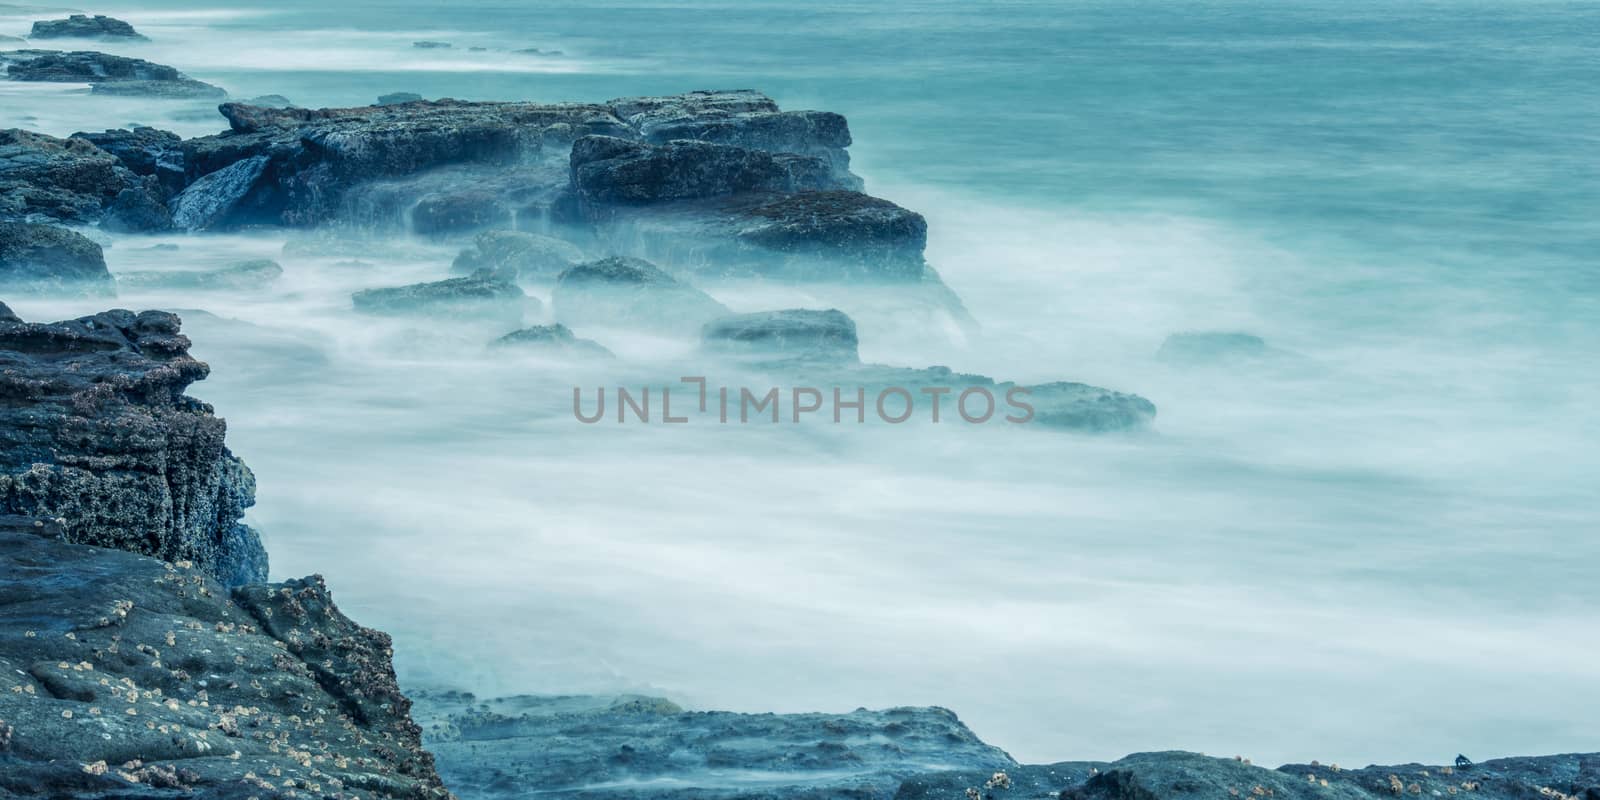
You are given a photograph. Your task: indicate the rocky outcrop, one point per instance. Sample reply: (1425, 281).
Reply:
(529, 256)
(392, 99)
(214, 199)
(483, 295)
(827, 337)
(631, 293)
(743, 118)
(125, 676)
(71, 180)
(1090, 409)
(554, 340)
(96, 432)
(252, 274)
(108, 74)
(49, 259)
(83, 26)
(609, 748)
(144, 151)
(610, 170)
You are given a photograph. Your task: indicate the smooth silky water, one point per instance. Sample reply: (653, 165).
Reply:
(1377, 547)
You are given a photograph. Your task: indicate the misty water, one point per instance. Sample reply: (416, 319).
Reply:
(1378, 546)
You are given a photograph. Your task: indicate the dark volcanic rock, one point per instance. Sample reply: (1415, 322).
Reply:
(529, 256)
(98, 433)
(38, 258)
(554, 340)
(108, 73)
(608, 748)
(790, 335)
(83, 26)
(608, 169)
(253, 274)
(144, 151)
(629, 292)
(123, 676)
(483, 294)
(839, 223)
(72, 180)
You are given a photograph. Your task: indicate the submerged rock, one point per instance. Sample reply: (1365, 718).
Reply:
(629, 746)
(109, 74)
(97, 432)
(483, 294)
(427, 45)
(631, 293)
(392, 99)
(791, 335)
(1091, 409)
(83, 26)
(270, 101)
(529, 256)
(253, 274)
(39, 259)
(1210, 347)
(555, 339)
(124, 676)
(607, 169)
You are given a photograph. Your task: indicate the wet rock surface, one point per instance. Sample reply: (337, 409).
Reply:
(556, 340)
(253, 274)
(481, 295)
(607, 169)
(529, 256)
(125, 676)
(83, 26)
(631, 292)
(604, 748)
(49, 259)
(70, 180)
(108, 74)
(98, 434)
(792, 334)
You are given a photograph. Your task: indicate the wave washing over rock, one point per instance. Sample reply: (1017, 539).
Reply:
(142, 652)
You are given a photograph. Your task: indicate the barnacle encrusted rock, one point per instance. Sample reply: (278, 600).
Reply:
(96, 431)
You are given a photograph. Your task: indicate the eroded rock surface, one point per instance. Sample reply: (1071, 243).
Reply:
(106, 73)
(96, 432)
(126, 676)
(50, 259)
(83, 26)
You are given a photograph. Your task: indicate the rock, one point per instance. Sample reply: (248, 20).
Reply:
(4, 39)
(138, 209)
(144, 151)
(791, 335)
(529, 256)
(553, 340)
(253, 274)
(107, 73)
(458, 212)
(1081, 407)
(746, 119)
(393, 99)
(1012, 783)
(426, 45)
(843, 224)
(6, 314)
(124, 676)
(39, 259)
(98, 432)
(270, 101)
(481, 295)
(607, 170)
(630, 292)
(212, 201)
(71, 180)
(82, 26)
(1210, 347)
(629, 746)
